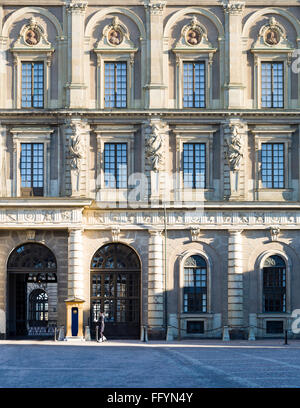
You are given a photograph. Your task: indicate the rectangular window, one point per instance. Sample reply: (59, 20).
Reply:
(194, 84)
(194, 165)
(115, 165)
(32, 169)
(32, 85)
(272, 165)
(272, 85)
(115, 88)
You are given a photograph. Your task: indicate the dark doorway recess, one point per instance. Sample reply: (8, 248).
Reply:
(115, 290)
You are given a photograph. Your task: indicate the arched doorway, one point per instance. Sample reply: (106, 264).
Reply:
(115, 290)
(32, 291)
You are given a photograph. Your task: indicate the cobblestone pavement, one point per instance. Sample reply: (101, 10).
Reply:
(123, 364)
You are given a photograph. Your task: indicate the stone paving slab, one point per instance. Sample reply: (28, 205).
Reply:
(155, 364)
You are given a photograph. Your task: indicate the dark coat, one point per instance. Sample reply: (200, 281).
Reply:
(101, 323)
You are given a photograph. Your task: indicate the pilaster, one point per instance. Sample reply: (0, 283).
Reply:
(235, 279)
(155, 89)
(234, 87)
(75, 86)
(75, 265)
(155, 284)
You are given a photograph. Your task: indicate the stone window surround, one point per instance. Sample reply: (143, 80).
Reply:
(205, 56)
(110, 134)
(272, 56)
(273, 134)
(194, 134)
(31, 56)
(30, 135)
(260, 262)
(201, 315)
(117, 55)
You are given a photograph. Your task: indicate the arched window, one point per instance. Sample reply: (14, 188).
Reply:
(195, 285)
(274, 284)
(38, 306)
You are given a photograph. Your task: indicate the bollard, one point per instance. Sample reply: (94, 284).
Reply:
(169, 336)
(251, 335)
(226, 334)
(61, 333)
(87, 333)
(285, 337)
(145, 334)
(97, 333)
(54, 333)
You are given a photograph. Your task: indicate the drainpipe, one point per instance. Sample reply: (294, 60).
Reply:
(165, 256)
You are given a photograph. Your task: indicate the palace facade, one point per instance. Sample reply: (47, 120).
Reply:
(149, 155)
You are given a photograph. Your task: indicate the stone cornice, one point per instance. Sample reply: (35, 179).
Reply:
(187, 3)
(98, 115)
(48, 202)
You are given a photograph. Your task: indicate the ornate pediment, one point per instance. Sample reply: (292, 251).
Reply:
(272, 37)
(194, 38)
(115, 37)
(32, 38)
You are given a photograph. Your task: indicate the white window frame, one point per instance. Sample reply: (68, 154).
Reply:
(190, 56)
(263, 317)
(23, 52)
(283, 57)
(30, 135)
(193, 134)
(273, 134)
(102, 58)
(189, 316)
(111, 134)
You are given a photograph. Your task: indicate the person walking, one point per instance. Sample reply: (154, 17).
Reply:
(101, 325)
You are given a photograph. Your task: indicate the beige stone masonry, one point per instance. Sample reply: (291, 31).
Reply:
(235, 279)
(155, 280)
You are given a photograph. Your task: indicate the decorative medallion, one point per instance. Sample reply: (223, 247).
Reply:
(32, 36)
(272, 36)
(115, 37)
(193, 36)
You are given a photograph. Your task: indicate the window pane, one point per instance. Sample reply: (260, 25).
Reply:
(115, 84)
(32, 87)
(115, 165)
(194, 165)
(274, 283)
(195, 285)
(194, 85)
(32, 167)
(272, 165)
(272, 85)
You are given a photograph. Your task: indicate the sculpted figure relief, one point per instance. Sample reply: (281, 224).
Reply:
(154, 145)
(76, 147)
(234, 149)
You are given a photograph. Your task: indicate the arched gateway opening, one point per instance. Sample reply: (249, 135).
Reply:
(32, 291)
(115, 290)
